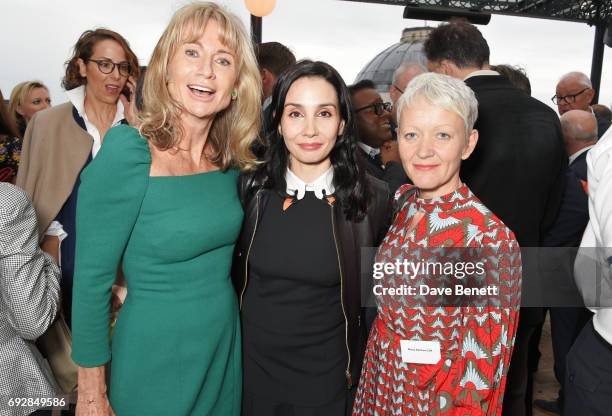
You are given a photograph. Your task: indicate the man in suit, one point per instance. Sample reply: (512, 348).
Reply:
(517, 170)
(567, 313)
(378, 151)
(29, 302)
(575, 92)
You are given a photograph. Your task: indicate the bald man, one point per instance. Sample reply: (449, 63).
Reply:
(579, 133)
(575, 92)
(568, 315)
(402, 76)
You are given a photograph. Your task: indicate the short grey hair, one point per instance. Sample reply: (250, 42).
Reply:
(406, 66)
(442, 91)
(579, 77)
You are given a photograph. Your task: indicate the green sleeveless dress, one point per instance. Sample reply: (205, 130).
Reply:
(176, 345)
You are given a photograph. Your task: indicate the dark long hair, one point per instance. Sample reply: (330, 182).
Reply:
(351, 190)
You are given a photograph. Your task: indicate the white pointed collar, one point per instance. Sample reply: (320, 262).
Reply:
(77, 98)
(322, 186)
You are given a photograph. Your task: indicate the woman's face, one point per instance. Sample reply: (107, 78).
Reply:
(202, 75)
(432, 144)
(311, 122)
(36, 100)
(102, 87)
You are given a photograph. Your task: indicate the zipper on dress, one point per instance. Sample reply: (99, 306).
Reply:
(347, 373)
(246, 258)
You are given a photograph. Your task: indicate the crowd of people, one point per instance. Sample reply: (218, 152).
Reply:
(210, 251)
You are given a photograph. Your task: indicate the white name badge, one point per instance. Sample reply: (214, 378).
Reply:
(420, 352)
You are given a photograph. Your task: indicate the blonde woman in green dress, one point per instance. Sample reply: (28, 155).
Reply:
(161, 201)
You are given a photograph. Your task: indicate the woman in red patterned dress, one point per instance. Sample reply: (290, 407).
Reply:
(434, 355)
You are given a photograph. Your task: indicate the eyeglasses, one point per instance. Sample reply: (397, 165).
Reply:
(379, 108)
(569, 99)
(398, 88)
(107, 66)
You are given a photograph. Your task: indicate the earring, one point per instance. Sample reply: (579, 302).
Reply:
(234, 94)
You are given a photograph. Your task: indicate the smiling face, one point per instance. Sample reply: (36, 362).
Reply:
(202, 75)
(104, 88)
(36, 100)
(310, 124)
(373, 129)
(432, 144)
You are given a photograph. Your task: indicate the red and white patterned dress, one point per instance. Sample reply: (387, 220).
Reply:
(475, 341)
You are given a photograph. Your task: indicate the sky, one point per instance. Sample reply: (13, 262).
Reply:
(345, 34)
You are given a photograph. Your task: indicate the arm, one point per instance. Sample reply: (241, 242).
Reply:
(488, 338)
(111, 193)
(600, 204)
(29, 279)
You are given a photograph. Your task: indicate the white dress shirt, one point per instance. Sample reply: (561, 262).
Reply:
(593, 269)
(322, 186)
(77, 98)
(370, 151)
(488, 72)
(575, 155)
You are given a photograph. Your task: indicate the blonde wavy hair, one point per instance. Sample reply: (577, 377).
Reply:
(235, 128)
(18, 96)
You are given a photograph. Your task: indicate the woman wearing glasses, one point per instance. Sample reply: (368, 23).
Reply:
(60, 142)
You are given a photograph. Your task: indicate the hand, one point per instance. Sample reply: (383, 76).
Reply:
(50, 245)
(129, 107)
(118, 297)
(91, 397)
(93, 405)
(389, 152)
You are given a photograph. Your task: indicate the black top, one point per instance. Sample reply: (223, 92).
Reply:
(293, 326)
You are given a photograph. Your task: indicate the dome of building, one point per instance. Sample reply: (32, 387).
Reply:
(409, 49)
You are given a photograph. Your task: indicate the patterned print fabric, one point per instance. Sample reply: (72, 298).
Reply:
(10, 150)
(475, 339)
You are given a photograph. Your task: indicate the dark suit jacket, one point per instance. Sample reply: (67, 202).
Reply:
(393, 173)
(562, 241)
(574, 211)
(518, 167)
(602, 126)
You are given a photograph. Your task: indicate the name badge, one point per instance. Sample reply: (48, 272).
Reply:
(420, 352)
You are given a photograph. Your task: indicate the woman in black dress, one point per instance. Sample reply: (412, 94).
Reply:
(308, 211)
